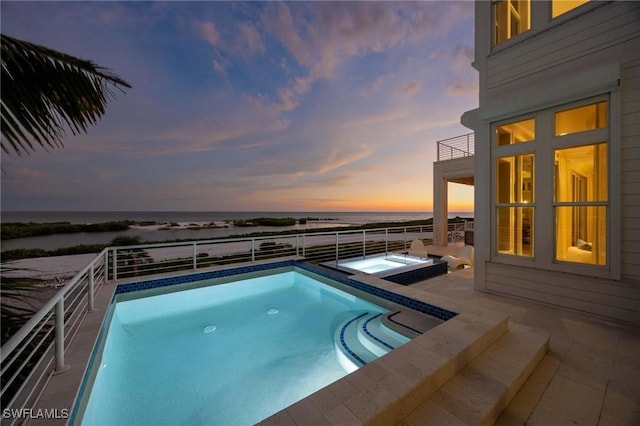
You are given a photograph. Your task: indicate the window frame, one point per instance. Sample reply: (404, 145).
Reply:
(512, 150)
(543, 147)
(494, 41)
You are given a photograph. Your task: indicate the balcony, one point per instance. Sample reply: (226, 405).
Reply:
(456, 165)
(456, 147)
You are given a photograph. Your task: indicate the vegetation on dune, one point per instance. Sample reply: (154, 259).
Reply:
(13, 230)
(266, 221)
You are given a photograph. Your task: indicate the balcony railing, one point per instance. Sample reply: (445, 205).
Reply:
(456, 147)
(38, 348)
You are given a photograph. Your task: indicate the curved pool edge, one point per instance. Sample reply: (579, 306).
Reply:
(386, 390)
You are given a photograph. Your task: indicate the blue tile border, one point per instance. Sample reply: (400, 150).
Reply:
(377, 339)
(416, 305)
(439, 267)
(199, 276)
(344, 343)
(333, 274)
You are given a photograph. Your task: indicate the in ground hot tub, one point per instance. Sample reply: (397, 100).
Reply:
(397, 268)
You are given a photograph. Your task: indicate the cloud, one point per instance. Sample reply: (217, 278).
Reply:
(208, 32)
(322, 36)
(339, 156)
(31, 173)
(411, 88)
(386, 116)
(462, 87)
(250, 40)
(374, 86)
(458, 60)
(220, 64)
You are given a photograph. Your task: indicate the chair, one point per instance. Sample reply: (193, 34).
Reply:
(465, 257)
(417, 249)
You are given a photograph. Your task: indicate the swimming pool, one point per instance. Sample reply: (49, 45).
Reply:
(230, 353)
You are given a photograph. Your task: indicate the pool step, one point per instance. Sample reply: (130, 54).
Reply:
(363, 338)
(480, 392)
(376, 337)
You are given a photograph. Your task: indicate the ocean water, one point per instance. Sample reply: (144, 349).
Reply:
(350, 218)
(325, 220)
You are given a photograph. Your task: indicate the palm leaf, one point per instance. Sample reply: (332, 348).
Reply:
(45, 91)
(15, 302)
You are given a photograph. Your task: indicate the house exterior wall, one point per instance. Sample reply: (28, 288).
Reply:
(591, 51)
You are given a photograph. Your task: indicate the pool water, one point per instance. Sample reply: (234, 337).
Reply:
(384, 263)
(228, 354)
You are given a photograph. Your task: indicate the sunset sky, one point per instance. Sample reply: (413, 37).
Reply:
(259, 106)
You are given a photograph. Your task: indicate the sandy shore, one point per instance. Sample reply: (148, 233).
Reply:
(48, 268)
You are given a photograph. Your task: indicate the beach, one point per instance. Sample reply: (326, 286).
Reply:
(177, 225)
(157, 226)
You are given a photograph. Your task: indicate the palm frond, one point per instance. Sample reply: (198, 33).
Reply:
(15, 302)
(44, 91)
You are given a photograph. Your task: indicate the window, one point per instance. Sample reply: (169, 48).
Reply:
(558, 7)
(511, 17)
(514, 195)
(581, 119)
(520, 131)
(581, 195)
(551, 187)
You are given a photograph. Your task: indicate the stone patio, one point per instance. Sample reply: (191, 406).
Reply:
(589, 376)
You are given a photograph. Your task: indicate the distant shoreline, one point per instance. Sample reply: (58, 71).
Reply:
(33, 252)
(88, 217)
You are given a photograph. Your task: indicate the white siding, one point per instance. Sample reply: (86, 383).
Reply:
(630, 171)
(608, 33)
(605, 27)
(603, 297)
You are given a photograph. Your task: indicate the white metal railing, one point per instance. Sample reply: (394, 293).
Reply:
(147, 259)
(455, 232)
(456, 147)
(29, 355)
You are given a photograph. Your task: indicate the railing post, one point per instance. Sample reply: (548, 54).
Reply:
(59, 337)
(405, 238)
(337, 247)
(364, 243)
(90, 289)
(253, 249)
(195, 256)
(304, 245)
(106, 266)
(115, 264)
(386, 241)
